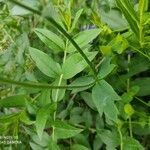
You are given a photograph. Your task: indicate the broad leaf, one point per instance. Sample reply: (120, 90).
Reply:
(106, 68)
(75, 64)
(87, 97)
(80, 82)
(45, 63)
(83, 38)
(64, 130)
(131, 144)
(103, 96)
(114, 19)
(52, 145)
(52, 40)
(78, 147)
(19, 11)
(110, 138)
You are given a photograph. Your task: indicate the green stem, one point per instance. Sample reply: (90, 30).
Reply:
(128, 88)
(57, 91)
(50, 19)
(40, 85)
(121, 139)
(146, 104)
(55, 100)
(130, 127)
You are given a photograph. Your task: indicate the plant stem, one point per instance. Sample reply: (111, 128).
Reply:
(40, 85)
(128, 88)
(130, 127)
(121, 139)
(147, 104)
(57, 91)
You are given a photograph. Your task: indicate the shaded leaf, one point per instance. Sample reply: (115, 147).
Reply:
(103, 97)
(78, 147)
(84, 80)
(64, 130)
(42, 116)
(132, 144)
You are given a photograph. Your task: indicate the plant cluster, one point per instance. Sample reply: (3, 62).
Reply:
(75, 74)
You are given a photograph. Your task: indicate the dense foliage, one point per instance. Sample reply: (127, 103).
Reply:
(74, 74)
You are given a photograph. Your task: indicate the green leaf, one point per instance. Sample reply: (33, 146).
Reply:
(106, 68)
(143, 6)
(35, 146)
(19, 11)
(9, 118)
(25, 118)
(87, 97)
(42, 116)
(130, 14)
(80, 82)
(78, 147)
(52, 40)
(132, 144)
(52, 145)
(45, 63)
(64, 130)
(83, 38)
(44, 141)
(110, 110)
(13, 101)
(76, 18)
(110, 138)
(103, 97)
(114, 19)
(119, 44)
(75, 64)
(144, 85)
(44, 98)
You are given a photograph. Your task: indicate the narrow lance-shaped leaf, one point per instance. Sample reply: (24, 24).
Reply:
(78, 14)
(52, 40)
(45, 63)
(83, 38)
(13, 101)
(130, 14)
(143, 6)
